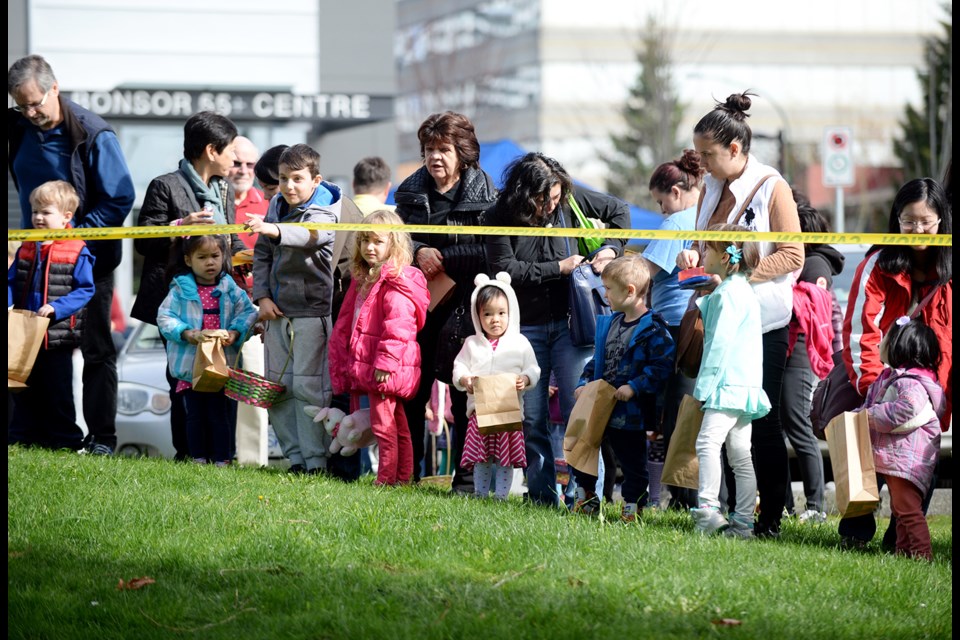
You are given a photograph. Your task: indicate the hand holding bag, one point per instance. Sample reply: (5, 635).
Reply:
(854, 469)
(210, 370)
(587, 301)
(681, 468)
(588, 421)
(497, 403)
(25, 333)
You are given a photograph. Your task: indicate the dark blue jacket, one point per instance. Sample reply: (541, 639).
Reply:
(98, 172)
(645, 366)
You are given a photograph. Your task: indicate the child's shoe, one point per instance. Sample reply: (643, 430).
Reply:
(739, 528)
(629, 513)
(563, 471)
(812, 516)
(587, 504)
(708, 520)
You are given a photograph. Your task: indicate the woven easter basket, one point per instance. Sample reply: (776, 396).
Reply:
(252, 388)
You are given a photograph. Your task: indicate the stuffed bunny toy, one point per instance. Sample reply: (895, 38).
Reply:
(349, 432)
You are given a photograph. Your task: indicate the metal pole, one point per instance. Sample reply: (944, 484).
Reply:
(838, 216)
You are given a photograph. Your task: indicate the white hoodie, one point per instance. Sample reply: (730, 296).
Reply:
(514, 353)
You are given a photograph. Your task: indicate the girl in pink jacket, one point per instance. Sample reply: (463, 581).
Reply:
(904, 406)
(373, 347)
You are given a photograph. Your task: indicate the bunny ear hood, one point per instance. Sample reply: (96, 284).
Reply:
(502, 282)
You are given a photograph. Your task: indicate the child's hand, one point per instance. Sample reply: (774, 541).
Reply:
(577, 392)
(428, 414)
(46, 311)
(269, 310)
(688, 258)
(232, 336)
(256, 225)
(381, 376)
(624, 393)
(467, 383)
(522, 382)
(552, 391)
(193, 336)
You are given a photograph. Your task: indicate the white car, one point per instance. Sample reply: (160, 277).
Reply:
(143, 400)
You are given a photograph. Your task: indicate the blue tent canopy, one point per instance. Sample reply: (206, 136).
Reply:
(496, 156)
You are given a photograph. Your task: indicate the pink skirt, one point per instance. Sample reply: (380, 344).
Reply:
(506, 449)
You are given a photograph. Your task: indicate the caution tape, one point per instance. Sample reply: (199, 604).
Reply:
(117, 233)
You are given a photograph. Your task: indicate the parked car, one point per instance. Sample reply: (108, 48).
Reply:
(143, 400)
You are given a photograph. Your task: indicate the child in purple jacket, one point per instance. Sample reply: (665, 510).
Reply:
(904, 405)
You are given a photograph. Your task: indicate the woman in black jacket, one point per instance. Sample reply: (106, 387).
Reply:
(196, 193)
(535, 195)
(449, 189)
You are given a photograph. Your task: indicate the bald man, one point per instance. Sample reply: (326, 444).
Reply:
(249, 199)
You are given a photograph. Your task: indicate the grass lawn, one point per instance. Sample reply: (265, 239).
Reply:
(244, 553)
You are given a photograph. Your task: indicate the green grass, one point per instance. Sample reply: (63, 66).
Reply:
(244, 553)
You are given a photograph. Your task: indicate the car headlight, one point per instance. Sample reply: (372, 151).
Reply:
(135, 398)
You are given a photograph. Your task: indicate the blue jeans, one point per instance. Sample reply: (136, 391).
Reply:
(555, 354)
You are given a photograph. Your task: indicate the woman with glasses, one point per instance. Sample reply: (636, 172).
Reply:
(890, 283)
(196, 193)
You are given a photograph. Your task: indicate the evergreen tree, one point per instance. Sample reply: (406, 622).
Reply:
(652, 116)
(927, 137)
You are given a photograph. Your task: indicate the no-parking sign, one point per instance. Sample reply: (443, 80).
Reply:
(837, 156)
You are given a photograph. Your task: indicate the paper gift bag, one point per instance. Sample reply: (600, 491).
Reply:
(588, 421)
(497, 403)
(441, 287)
(210, 370)
(854, 470)
(681, 467)
(25, 333)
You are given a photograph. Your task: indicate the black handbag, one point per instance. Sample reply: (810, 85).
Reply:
(587, 301)
(456, 329)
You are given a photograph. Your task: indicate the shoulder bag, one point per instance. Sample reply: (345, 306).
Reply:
(587, 301)
(456, 329)
(836, 394)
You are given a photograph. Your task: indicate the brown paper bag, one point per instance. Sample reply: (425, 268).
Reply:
(854, 470)
(588, 421)
(210, 370)
(497, 403)
(441, 287)
(681, 468)
(25, 333)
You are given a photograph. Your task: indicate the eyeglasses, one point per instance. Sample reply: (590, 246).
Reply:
(918, 225)
(239, 165)
(36, 106)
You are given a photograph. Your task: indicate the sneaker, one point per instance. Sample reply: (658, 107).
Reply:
(588, 505)
(99, 449)
(812, 516)
(297, 469)
(708, 520)
(630, 515)
(739, 529)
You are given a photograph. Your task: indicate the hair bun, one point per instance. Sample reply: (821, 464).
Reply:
(738, 104)
(689, 163)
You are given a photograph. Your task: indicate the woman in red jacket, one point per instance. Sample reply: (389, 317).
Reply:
(891, 282)
(373, 347)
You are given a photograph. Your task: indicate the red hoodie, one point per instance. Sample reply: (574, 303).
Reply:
(383, 337)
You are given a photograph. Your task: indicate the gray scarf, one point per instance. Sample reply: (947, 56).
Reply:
(211, 194)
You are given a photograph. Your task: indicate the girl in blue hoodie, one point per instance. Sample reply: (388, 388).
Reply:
(203, 295)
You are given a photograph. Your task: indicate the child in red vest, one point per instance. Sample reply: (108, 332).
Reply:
(54, 278)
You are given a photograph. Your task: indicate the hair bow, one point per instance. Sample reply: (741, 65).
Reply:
(734, 253)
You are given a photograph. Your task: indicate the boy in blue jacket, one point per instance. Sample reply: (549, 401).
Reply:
(633, 352)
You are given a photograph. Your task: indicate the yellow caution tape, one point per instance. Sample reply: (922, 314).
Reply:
(116, 233)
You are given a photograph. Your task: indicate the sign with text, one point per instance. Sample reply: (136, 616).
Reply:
(837, 157)
(236, 105)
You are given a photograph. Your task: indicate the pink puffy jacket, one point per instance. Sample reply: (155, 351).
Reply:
(384, 336)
